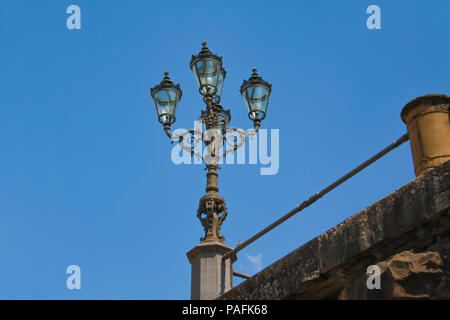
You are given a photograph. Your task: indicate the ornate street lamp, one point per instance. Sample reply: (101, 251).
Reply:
(166, 96)
(207, 68)
(256, 93)
(210, 76)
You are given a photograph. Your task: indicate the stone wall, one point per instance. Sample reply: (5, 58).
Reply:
(406, 234)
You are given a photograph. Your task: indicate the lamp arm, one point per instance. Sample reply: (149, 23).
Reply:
(167, 131)
(256, 125)
(181, 137)
(242, 135)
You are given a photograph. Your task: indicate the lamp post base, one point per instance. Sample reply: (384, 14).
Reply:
(211, 276)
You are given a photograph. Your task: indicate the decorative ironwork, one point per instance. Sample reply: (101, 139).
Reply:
(212, 209)
(207, 67)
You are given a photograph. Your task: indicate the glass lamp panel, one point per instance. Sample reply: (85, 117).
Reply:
(166, 101)
(256, 98)
(222, 122)
(207, 74)
(220, 82)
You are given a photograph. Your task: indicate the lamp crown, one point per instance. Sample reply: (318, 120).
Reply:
(255, 79)
(204, 53)
(166, 83)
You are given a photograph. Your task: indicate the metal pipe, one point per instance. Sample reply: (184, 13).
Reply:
(318, 195)
(241, 275)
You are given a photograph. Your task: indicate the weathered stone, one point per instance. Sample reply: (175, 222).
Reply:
(406, 275)
(407, 232)
(210, 276)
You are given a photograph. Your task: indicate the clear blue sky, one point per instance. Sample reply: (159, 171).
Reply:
(86, 176)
